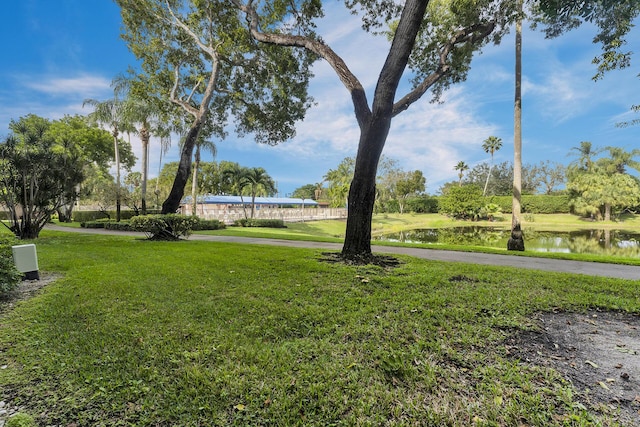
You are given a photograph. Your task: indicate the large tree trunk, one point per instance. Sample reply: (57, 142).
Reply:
(607, 211)
(172, 204)
(64, 212)
(362, 192)
(374, 129)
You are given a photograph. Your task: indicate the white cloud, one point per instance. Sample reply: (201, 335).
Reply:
(434, 137)
(83, 85)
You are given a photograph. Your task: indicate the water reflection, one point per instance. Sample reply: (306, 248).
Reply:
(610, 242)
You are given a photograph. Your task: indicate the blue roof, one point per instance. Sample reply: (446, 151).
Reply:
(237, 200)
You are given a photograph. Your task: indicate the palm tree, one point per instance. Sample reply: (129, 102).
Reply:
(339, 180)
(461, 167)
(620, 159)
(516, 242)
(146, 115)
(237, 177)
(258, 182)
(201, 143)
(490, 145)
(111, 114)
(586, 153)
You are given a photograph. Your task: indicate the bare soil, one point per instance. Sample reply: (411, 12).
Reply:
(597, 351)
(26, 289)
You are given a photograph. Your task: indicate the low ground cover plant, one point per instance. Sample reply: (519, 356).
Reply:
(205, 333)
(9, 276)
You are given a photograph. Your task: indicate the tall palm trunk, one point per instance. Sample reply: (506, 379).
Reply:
(117, 158)
(516, 242)
(144, 138)
(486, 183)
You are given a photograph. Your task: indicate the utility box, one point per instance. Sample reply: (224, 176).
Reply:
(26, 261)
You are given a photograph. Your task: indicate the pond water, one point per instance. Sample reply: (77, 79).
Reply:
(609, 242)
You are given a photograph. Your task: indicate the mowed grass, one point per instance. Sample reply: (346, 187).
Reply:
(199, 333)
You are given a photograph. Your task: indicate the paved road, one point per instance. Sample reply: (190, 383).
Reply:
(577, 267)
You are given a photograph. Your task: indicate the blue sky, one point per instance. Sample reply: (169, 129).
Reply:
(57, 53)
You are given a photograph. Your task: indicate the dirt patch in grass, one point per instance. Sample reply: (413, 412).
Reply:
(26, 289)
(384, 261)
(597, 351)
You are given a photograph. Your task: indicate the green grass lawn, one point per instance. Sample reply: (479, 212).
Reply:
(197, 333)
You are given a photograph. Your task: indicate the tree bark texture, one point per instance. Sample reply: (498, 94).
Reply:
(117, 158)
(374, 129)
(516, 242)
(144, 138)
(362, 192)
(172, 203)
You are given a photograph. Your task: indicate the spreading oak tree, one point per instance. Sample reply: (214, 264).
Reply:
(434, 41)
(199, 61)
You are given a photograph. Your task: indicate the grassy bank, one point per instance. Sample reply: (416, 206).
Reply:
(199, 333)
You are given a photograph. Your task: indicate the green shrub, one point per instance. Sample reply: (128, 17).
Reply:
(422, 204)
(87, 216)
(463, 202)
(164, 227)
(21, 420)
(93, 224)
(252, 222)
(535, 204)
(118, 226)
(491, 211)
(9, 276)
(209, 224)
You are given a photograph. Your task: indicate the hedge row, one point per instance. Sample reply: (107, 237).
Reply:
(252, 222)
(535, 204)
(85, 216)
(201, 224)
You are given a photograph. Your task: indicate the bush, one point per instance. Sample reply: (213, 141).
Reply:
(118, 226)
(463, 202)
(535, 204)
(209, 224)
(422, 204)
(9, 276)
(164, 227)
(88, 216)
(492, 212)
(100, 223)
(251, 222)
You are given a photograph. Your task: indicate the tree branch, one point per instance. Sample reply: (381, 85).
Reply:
(177, 100)
(473, 34)
(349, 80)
(208, 49)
